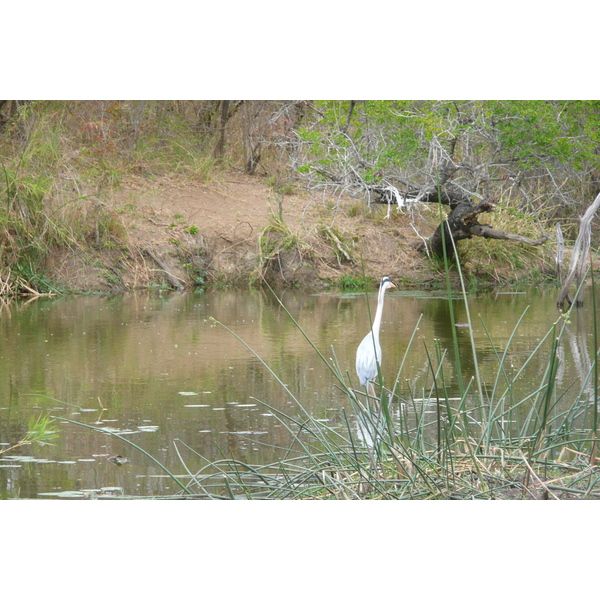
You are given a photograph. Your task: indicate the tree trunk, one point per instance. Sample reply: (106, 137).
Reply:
(137, 119)
(223, 117)
(560, 250)
(579, 258)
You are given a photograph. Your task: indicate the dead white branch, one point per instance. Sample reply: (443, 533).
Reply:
(579, 259)
(560, 251)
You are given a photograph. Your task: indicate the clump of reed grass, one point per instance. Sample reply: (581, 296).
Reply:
(276, 243)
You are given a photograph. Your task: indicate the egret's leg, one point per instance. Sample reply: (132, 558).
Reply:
(370, 389)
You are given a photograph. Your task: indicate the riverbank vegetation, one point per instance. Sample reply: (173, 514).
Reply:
(373, 167)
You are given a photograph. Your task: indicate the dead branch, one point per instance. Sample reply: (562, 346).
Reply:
(579, 259)
(488, 232)
(388, 194)
(560, 250)
(174, 280)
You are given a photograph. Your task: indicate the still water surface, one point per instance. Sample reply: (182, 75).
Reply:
(159, 370)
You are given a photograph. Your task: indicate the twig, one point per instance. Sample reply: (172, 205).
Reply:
(538, 479)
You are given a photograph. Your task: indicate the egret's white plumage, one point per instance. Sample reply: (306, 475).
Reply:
(369, 350)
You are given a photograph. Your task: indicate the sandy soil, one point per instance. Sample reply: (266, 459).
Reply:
(177, 232)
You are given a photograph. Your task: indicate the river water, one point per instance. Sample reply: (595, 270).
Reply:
(158, 370)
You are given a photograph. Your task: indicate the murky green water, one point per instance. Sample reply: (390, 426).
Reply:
(160, 372)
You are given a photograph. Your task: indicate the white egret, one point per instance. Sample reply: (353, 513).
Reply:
(368, 354)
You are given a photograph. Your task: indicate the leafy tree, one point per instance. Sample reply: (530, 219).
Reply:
(539, 156)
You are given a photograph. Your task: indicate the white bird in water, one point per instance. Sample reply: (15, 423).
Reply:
(368, 354)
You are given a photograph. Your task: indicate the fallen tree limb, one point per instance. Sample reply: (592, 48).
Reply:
(174, 280)
(489, 232)
(389, 194)
(461, 224)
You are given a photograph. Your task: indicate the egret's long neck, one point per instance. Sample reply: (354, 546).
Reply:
(378, 314)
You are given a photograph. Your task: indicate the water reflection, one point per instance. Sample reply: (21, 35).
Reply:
(158, 369)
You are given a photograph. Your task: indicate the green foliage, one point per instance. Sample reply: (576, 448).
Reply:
(350, 282)
(527, 148)
(277, 236)
(279, 185)
(275, 240)
(355, 210)
(39, 432)
(198, 274)
(495, 261)
(536, 132)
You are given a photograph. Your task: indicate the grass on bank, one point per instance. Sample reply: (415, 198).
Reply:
(58, 160)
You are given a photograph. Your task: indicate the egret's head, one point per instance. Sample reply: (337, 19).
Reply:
(386, 284)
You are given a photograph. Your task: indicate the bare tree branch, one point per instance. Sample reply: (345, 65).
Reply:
(488, 232)
(580, 256)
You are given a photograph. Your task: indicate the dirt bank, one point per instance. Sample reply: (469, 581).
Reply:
(174, 232)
